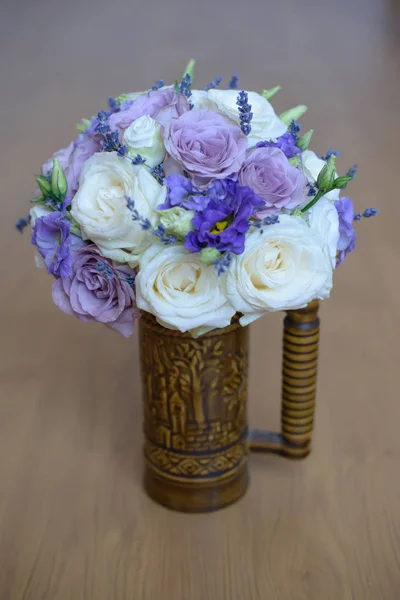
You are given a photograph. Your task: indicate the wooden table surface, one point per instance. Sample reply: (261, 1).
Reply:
(74, 521)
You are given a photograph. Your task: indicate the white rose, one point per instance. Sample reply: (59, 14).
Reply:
(100, 206)
(311, 165)
(265, 125)
(143, 137)
(182, 292)
(283, 268)
(324, 218)
(199, 99)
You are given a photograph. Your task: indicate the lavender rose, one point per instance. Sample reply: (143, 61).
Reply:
(347, 234)
(206, 145)
(72, 159)
(98, 290)
(162, 105)
(269, 174)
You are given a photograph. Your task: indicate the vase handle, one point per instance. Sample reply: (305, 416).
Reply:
(299, 382)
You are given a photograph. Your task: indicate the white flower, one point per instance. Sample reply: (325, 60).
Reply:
(100, 206)
(311, 165)
(182, 292)
(177, 221)
(143, 137)
(265, 125)
(199, 99)
(324, 218)
(39, 210)
(284, 268)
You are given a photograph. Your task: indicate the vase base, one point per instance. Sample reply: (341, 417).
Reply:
(196, 497)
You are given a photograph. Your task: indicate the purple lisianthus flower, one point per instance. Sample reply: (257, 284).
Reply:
(161, 105)
(224, 221)
(347, 233)
(286, 143)
(206, 145)
(98, 290)
(73, 157)
(269, 174)
(52, 236)
(183, 193)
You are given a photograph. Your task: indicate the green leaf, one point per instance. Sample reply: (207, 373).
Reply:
(268, 94)
(304, 141)
(295, 161)
(83, 125)
(293, 114)
(44, 185)
(38, 200)
(58, 181)
(189, 69)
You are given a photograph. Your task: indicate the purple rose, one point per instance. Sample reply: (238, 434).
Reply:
(347, 238)
(73, 157)
(51, 234)
(224, 221)
(98, 290)
(269, 174)
(206, 145)
(161, 105)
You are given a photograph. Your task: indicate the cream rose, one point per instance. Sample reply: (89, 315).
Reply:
(311, 165)
(324, 218)
(283, 268)
(199, 99)
(182, 292)
(100, 208)
(265, 125)
(143, 136)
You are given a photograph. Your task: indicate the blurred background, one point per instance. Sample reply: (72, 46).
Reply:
(74, 521)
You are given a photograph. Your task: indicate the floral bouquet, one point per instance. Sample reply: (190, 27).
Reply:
(192, 205)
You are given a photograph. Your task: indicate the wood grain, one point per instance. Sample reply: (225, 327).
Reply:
(74, 521)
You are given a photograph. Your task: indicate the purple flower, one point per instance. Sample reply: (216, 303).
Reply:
(161, 105)
(73, 157)
(347, 239)
(225, 220)
(206, 145)
(183, 193)
(51, 234)
(286, 143)
(98, 290)
(269, 174)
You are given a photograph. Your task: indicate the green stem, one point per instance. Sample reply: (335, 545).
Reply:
(317, 196)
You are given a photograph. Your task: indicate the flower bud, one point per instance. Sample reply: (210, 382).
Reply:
(326, 177)
(58, 181)
(44, 185)
(177, 221)
(208, 256)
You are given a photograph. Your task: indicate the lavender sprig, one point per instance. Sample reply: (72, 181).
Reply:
(109, 273)
(368, 212)
(271, 220)
(331, 152)
(245, 114)
(157, 85)
(223, 263)
(213, 84)
(158, 173)
(138, 160)
(185, 88)
(234, 82)
(145, 224)
(22, 223)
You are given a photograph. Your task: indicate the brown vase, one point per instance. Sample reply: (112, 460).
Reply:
(195, 418)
